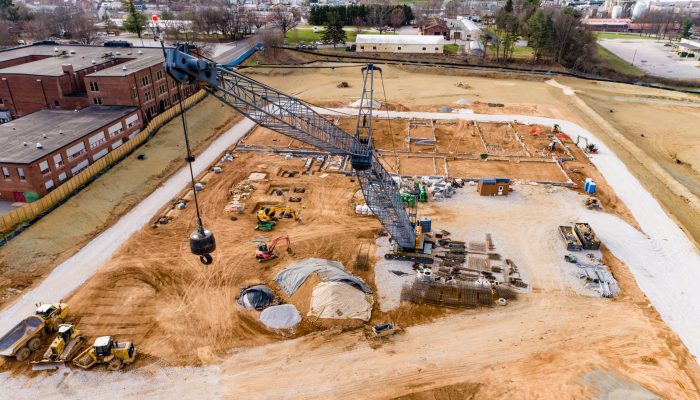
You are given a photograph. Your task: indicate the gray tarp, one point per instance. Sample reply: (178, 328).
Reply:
(291, 278)
(284, 316)
(256, 297)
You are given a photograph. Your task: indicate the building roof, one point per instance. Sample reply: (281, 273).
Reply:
(463, 24)
(80, 57)
(61, 128)
(399, 39)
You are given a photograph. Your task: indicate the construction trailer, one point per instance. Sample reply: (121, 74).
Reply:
(494, 186)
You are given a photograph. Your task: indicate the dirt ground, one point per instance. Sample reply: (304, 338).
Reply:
(63, 231)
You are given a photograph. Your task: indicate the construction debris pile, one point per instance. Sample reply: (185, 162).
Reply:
(464, 275)
(596, 274)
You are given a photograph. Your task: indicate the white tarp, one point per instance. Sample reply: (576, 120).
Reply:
(336, 300)
(291, 278)
(284, 316)
(365, 103)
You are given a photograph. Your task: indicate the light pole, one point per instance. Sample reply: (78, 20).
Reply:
(634, 56)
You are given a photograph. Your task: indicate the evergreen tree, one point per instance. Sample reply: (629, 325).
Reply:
(334, 32)
(541, 33)
(135, 20)
(685, 31)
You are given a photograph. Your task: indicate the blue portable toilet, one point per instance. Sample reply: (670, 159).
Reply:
(591, 188)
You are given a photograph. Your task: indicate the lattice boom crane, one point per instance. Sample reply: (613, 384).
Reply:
(292, 117)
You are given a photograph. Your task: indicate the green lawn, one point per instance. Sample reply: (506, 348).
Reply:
(519, 52)
(451, 48)
(305, 35)
(617, 64)
(612, 35)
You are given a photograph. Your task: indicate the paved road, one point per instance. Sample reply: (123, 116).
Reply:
(653, 57)
(238, 48)
(69, 275)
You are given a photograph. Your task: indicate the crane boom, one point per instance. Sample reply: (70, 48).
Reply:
(292, 117)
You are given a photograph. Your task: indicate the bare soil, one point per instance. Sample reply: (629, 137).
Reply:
(62, 232)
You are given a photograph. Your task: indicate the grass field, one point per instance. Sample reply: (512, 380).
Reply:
(307, 35)
(451, 48)
(519, 52)
(617, 64)
(612, 35)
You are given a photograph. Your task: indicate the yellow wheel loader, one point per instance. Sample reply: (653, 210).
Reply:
(107, 351)
(52, 314)
(66, 344)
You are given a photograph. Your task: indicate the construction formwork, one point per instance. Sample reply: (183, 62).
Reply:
(446, 294)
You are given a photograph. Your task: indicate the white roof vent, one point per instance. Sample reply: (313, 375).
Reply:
(39, 146)
(24, 144)
(55, 49)
(44, 136)
(139, 52)
(118, 53)
(60, 132)
(123, 67)
(71, 52)
(93, 62)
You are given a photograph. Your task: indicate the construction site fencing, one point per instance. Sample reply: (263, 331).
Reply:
(14, 220)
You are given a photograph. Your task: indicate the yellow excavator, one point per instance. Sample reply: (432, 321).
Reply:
(107, 351)
(267, 216)
(67, 342)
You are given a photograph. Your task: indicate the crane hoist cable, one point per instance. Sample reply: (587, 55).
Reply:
(202, 241)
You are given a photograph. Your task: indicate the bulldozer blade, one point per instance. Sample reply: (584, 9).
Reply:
(47, 365)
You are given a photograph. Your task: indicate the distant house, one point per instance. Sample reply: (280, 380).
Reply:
(607, 24)
(435, 27)
(494, 186)
(464, 29)
(399, 44)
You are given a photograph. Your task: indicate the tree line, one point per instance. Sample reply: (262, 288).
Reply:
(554, 34)
(374, 15)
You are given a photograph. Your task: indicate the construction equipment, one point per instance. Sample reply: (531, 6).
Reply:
(422, 193)
(387, 329)
(107, 351)
(23, 339)
(409, 199)
(592, 203)
(292, 117)
(588, 147)
(67, 342)
(570, 258)
(556, 129)
(267, 253)
(52, 314)
(267, 216)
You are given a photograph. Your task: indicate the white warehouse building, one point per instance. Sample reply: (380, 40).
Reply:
(399, 44)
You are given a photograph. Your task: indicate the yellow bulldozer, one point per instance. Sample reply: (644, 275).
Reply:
(66, 344)
(107, 351)
(267, 216)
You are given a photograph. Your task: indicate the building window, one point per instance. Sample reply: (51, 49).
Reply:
(58, 160)
(134, 92)
(20, 172)
(62, 176)
(49, 184)
(436, 49)
(94, 87)
(2, 101)
(44, 167)
(374, 47)
(159, 75)
(145, 80)
(423, 48)
(399, 47)
(148, 96)
(362, 47)
(56, 103)
(97, 100)
(162, 89)
(5, 172)
(115, 129)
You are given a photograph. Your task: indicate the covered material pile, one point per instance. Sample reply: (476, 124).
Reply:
(256, 297)
(336, 300)
(284, 316)
(292, 277)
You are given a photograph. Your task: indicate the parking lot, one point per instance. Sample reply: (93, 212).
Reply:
(653, 58)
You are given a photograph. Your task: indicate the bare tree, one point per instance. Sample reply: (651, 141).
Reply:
(397, 18)
(284, 19)
(83, 28)
(378, 17)
(272, 40)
